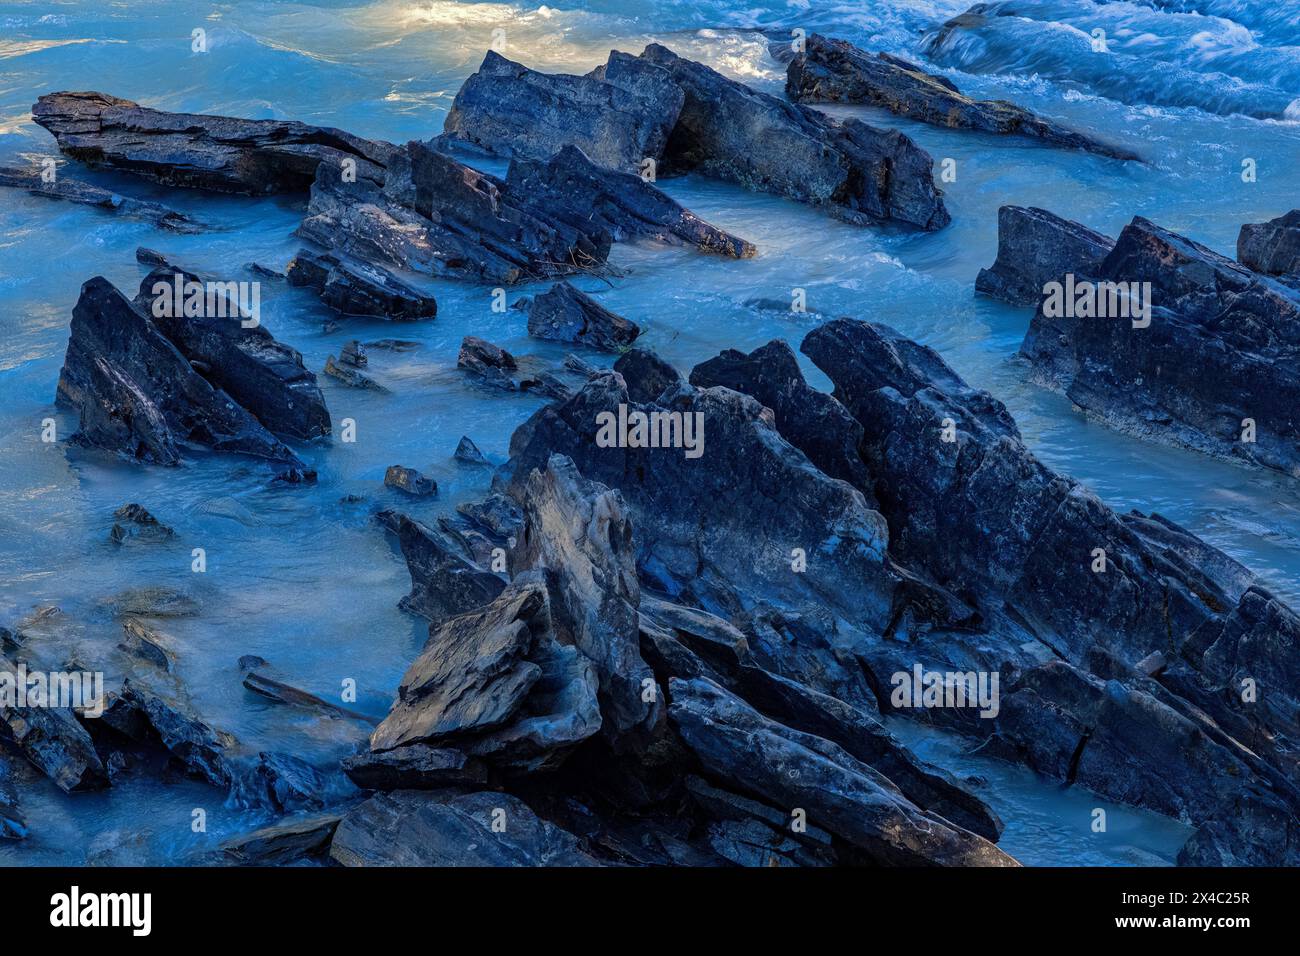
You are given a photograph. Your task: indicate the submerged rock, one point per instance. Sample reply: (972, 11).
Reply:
(417, 828)
(1183, 346)
(489, 364)
(73, 190)
(467, 452)
(1271, 247)
(1036, 247)
(134, 521)
(835, 71)
(410, 481)
(350, 377)
(138, 394)
(219, 153)
(566, 315)
(732, 132)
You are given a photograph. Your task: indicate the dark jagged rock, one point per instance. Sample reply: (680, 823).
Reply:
(443, 583)
(266, 272)
(812, 421)
(263, 375)
(410, 481)
(566, 315)
(285, 842)
(55, 743)
(645, 374)
(798, 771)
(137, 394)
(738, 134)
(286, 783)
(350, 377)
(467, 452)
(13, 825)
(577, 191)
(578, 533)
(435, 216)
(495, 514)
(1271, 247)
(618, 115)
(749, 833)
(205, 753)
(353, 354)
(146, 644)
(73, 190)
(414, 767)
(1211, 366)
(418, 828)
(1036, 247)
(835, 71)
(134, 521)
(488, 363)
(719, 528)
(353, 287)
(205, 152)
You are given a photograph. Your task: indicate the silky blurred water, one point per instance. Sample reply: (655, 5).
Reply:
(311, 584)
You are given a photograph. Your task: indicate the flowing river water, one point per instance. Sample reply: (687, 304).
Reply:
(310, 583)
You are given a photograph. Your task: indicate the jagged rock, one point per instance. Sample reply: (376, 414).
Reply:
(410, 481)
(443, 583)
(495, 514)
(578, 533)
(137, 394)
(797, 771)
(566, 315)
(417, 828)
(265, 376)
(134, 521)
(204, 752)
(1036, 247)
(414, 767)
(749, 833)
(488, 363)
(287, 783)
(73, 190)
(205, 152)
(717, 527)
(353, 353)
(55, 743)
(1211, 366)
(468, 452)
(266, 272)
(285, 842)
(645, 374)
(619, 115)
(812, 421)
(438, 217)
(350, 376)
(353, 287)
(732, 132)
(1271, 247)
(835, 71)
(577, 191)
(13, 825)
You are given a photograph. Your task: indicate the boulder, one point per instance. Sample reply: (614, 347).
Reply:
(488, 363)
(410, 481)
(1036, 247)
(619, 115)
(76, 191)
(835, 71)
(443, 582)
(732, 132)
(55, 743)
(138, 394)
(566, 315)
(1271, 247)
(354, 287)
(284, 842)
(1211, 365)
(135, 521)
(217, 153)
(467, 452)
(414, 767)
(645, 374)
(418, 828)
(799, 772)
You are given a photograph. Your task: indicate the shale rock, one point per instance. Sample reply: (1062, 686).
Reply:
(353, 287)
(1271, 247)
(467, 452)
(410, 481)
(414, 767)
(645, 374)
(55, 743)
(443, 582)
(566, 315)
(73, 190)
(1036, 247)
(285, 842)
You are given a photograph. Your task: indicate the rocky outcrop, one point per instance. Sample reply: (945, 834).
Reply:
(807, 774)
(1036, 247)
(140, 395)
(204, 152)
(835, 71)
(577, 191)
(414, 767)
(566, 315)
(1211, 362)
(414, 828)
(287, 842)
(1272, 247)
(444, 583)
(55, 743)
(619, 116)
(76, 191)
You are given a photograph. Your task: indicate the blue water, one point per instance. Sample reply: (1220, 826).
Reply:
(310, 583)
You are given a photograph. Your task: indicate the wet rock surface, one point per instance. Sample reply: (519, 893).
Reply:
(566, 315)
(1272, 247)
(1036, 247)
(86, 194)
